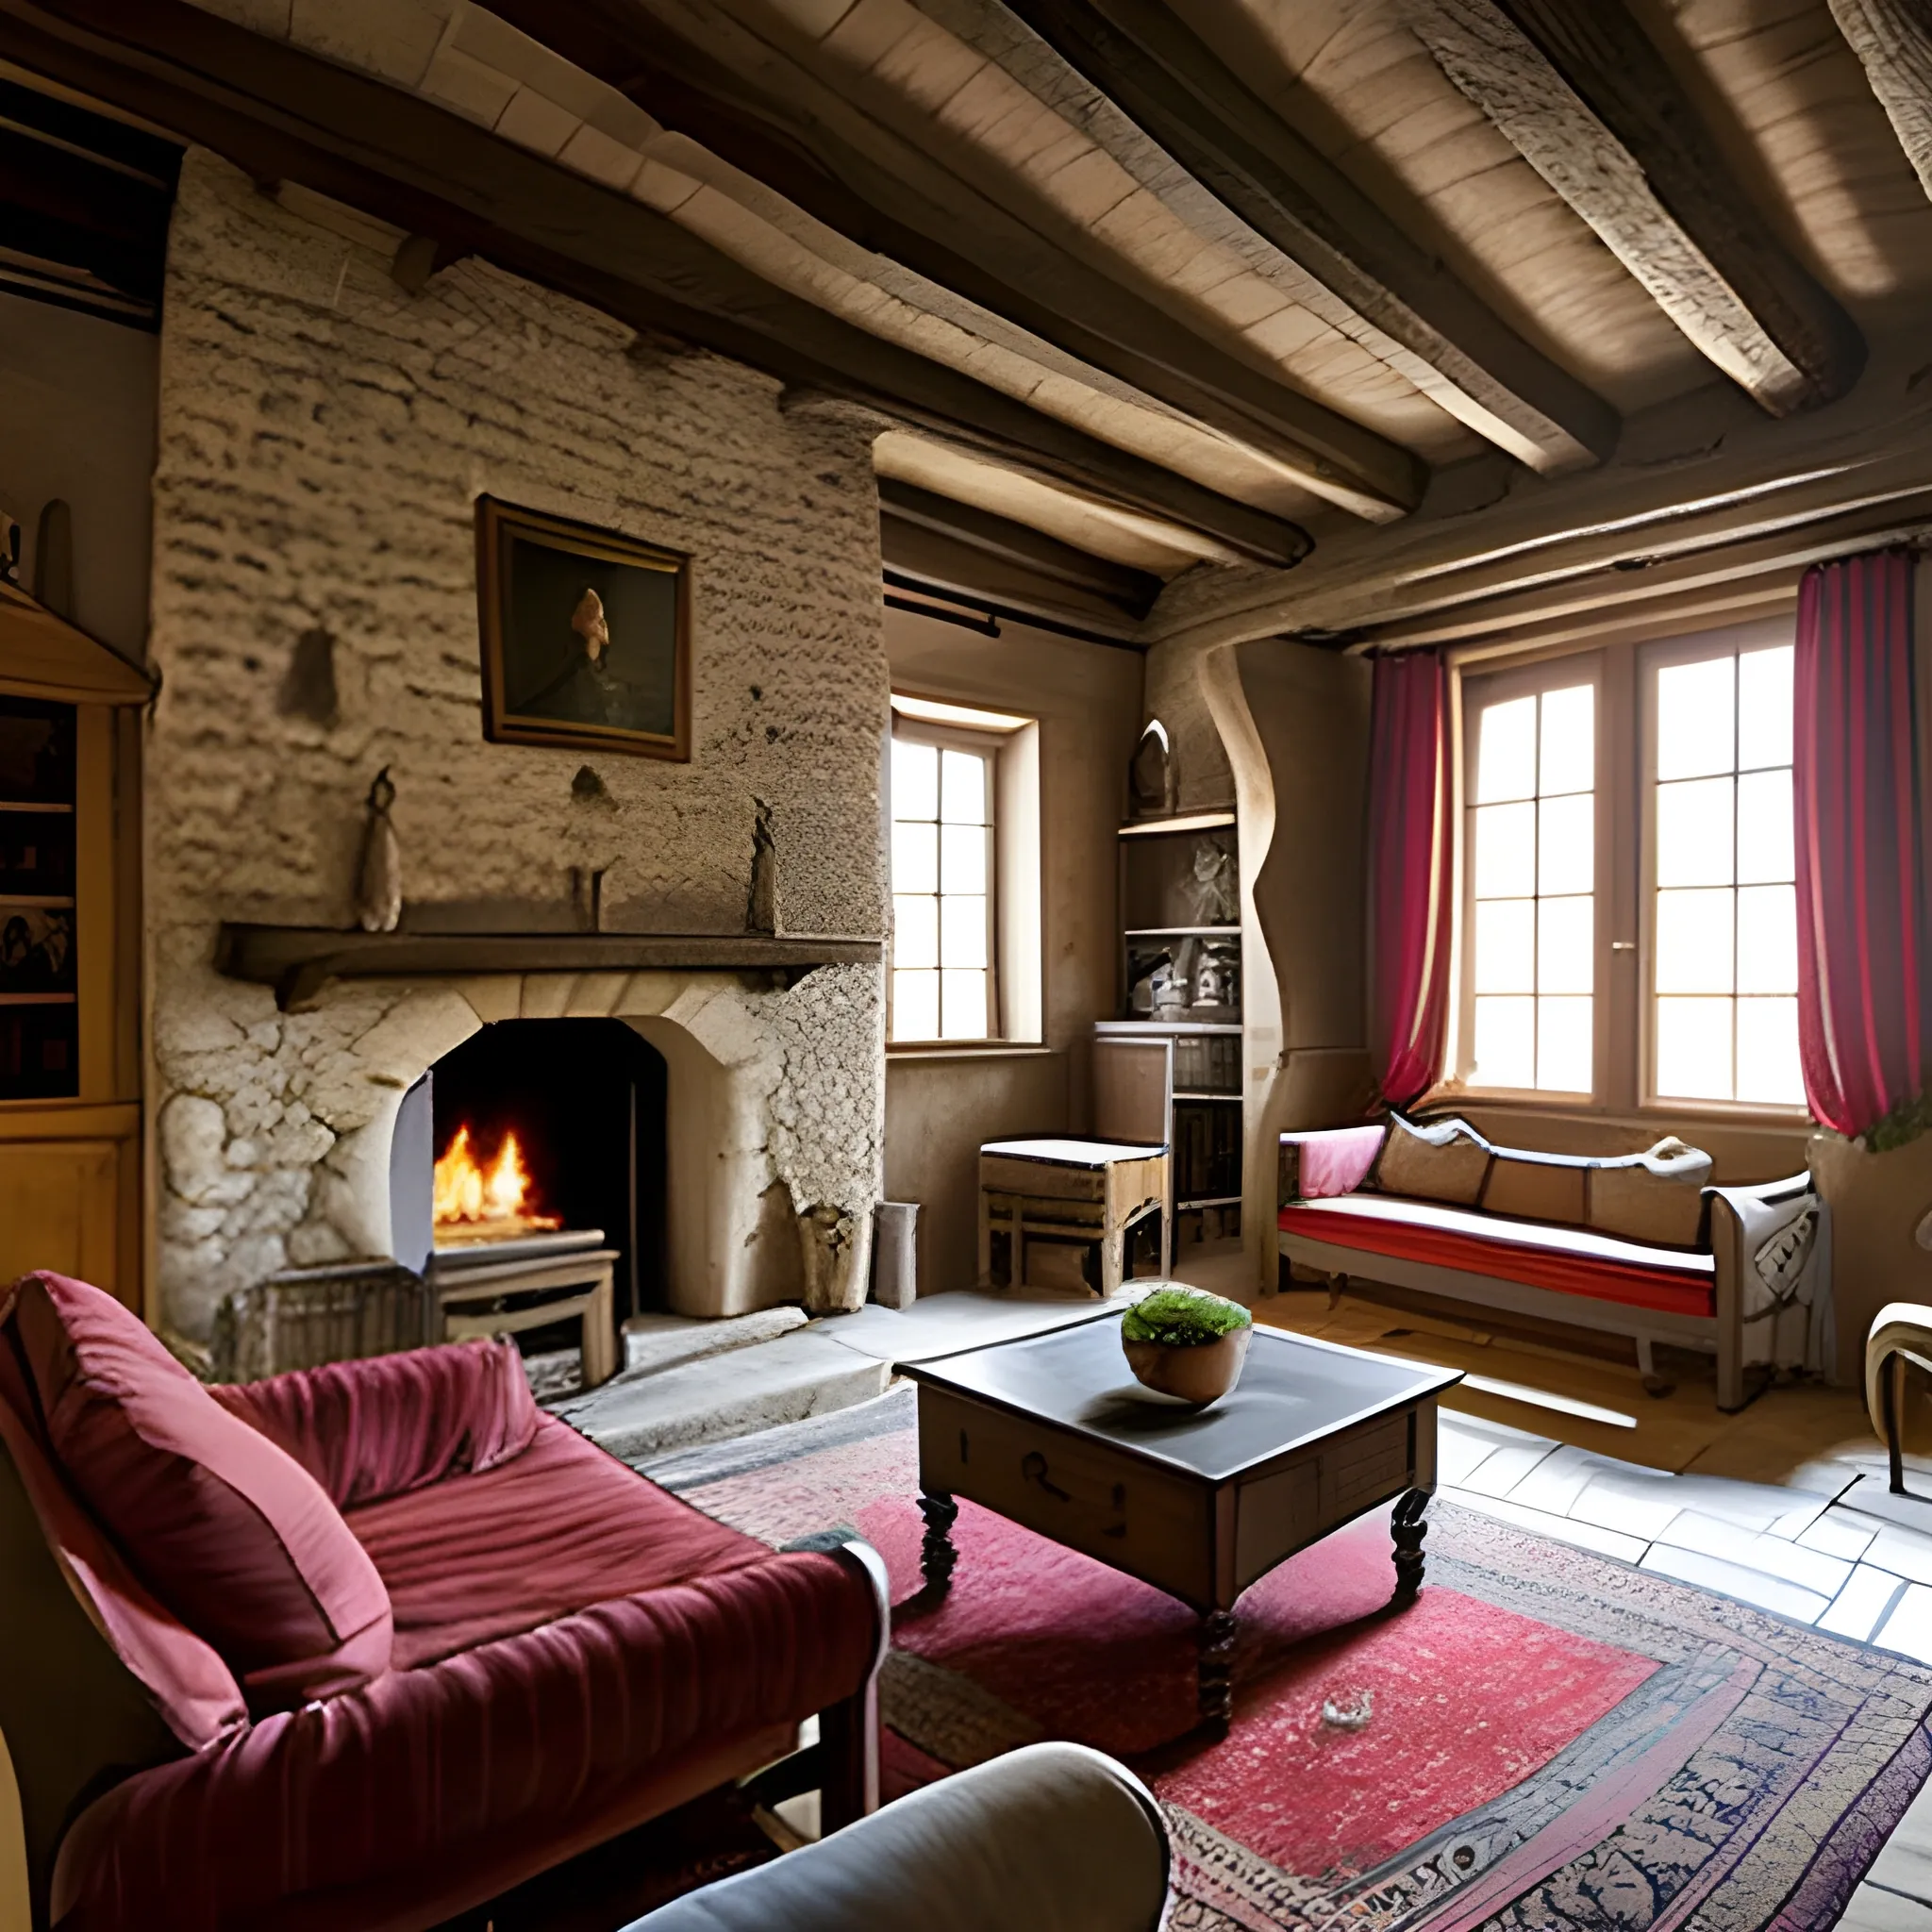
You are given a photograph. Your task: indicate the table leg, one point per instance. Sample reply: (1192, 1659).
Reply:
(937, 1554)
(1408, 1530)
(1215, 1670)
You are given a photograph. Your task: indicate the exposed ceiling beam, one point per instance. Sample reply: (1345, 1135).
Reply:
(1416, 314)
(1893, 40)
(1130, 592)
(1580, 91)
(278, 111)
(776, 124)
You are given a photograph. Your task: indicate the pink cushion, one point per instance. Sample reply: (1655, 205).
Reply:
(231, 1534)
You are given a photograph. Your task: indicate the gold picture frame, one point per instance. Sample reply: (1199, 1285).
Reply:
(585, 633)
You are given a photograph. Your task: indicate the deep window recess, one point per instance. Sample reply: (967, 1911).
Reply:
(945, 853)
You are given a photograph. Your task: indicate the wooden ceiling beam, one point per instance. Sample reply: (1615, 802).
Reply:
(1414, 312)
(1581, 92)
(1893, 40)
(280, 112)
(778, 126)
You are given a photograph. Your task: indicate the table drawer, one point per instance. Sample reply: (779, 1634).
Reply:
(1112, 1507)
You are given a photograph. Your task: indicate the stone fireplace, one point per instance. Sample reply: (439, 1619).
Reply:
(326, 435)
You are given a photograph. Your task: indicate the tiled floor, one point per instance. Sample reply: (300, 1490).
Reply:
(1807, 1553)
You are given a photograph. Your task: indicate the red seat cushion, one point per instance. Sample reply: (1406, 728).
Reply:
(559, 1527)
(1570, 1261)
(227, 1531)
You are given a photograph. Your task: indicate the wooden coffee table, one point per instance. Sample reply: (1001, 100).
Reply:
(1054, 1433)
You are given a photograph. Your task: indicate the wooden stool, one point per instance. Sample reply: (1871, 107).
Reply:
(1900, 1338)
(1059, 1211)
(506, 1297)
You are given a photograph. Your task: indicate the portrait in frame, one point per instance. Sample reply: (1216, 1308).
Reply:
(586, 635)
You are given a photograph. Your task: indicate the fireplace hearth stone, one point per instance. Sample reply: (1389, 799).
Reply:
(652, 1342)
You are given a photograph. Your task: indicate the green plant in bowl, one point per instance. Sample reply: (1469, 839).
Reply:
(1187, 1343)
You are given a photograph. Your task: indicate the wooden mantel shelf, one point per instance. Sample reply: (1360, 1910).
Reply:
(297, 960)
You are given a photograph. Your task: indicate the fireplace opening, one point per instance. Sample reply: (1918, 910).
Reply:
(533, 1145)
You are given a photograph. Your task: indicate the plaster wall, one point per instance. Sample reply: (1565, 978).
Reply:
(77, 397)
(940, 1107)
(323, 437)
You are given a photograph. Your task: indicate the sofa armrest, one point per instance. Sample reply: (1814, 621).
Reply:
(1326, 1161)
(1771, 1242)
(389, 1424)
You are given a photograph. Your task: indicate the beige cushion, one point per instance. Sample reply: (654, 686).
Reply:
(1653, 1196)
(1446, 1161)
(1520, 1184)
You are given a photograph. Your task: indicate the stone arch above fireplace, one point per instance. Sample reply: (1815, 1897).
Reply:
(275, 1130)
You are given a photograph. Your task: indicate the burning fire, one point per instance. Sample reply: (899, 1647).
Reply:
(479, 1201)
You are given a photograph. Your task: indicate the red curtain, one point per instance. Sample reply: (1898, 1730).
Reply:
(1409, 854)
(1861, 1020)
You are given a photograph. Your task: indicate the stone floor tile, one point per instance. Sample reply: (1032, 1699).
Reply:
(1805, 1510)
(1505, 1466)
(1630, 1501)
(1904, 1864)
(1904, 1551)
(1865, 1601)
(1565, 1529)
(1774, 1555)
(1558, 1479)
(1874, 1910)
(1908, 1629)
(1837, 1535)
(1459, 1447)
(1733, 1579)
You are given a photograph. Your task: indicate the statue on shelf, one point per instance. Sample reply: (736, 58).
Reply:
(762, 909)
(380, 878)
(1153, 774)
(1217, 981)
(1215, 887)
(1170, 987)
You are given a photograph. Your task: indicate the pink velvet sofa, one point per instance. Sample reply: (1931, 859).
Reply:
(364, 1645)
(1638, 1244)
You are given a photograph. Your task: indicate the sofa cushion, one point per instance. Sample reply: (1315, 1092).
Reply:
(1653, 1196)
(231, 1533)
(1535, 1186)
(559, 1527)
(1569, 1261)
(388, 1424)
(1444, 1160)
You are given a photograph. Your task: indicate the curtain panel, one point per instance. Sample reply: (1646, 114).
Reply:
(1410, 849)
(1861, 978)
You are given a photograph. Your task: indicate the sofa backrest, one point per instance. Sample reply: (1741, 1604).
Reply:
(1655, 1196)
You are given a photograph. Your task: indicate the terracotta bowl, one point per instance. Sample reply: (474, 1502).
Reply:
(1200, 1375)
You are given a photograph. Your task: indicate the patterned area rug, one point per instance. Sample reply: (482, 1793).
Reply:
(1546, 1739)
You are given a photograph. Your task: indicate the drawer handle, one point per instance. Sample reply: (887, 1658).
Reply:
(1120, 1503)
(1034, 1469)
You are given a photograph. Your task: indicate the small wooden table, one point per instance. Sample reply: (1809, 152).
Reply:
(1060, 1210)
(1054, 1433)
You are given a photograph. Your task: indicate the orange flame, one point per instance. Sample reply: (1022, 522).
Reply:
(482, 1199)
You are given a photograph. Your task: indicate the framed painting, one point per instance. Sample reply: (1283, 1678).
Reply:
(586, 635)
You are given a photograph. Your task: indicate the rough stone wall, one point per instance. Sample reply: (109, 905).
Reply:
(323, 437)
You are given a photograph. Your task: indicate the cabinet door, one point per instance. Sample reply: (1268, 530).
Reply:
(59, 1209)
(1132, 1083)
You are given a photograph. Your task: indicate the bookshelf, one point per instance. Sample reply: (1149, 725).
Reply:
(1168, 1062)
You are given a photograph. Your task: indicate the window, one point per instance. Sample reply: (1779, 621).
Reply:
(1723, 907)
(1629, 919)
(1532, 844)
(964, 793)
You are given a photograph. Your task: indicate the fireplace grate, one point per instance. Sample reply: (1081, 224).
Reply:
(304, 1317)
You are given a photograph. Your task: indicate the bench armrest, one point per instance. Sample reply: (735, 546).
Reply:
(1326, 1161)
(1772, 1243)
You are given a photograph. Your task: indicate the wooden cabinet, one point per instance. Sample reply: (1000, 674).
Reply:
(69, 948)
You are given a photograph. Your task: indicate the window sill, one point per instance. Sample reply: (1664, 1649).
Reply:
(913, 1051)
(1731, 1114)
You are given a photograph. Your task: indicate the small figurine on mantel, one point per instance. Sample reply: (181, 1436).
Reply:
(380, 878)
(1214, 888)
(762, 910)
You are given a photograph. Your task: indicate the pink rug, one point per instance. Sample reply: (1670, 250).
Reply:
(1545, 1740)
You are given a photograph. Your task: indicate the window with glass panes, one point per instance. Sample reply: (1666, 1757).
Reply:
(1530, 844)
(942, 897)
(1723, 906)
